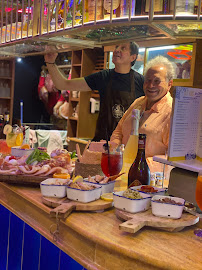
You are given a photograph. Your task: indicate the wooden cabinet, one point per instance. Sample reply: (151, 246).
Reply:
(83, 123)
(7, 74)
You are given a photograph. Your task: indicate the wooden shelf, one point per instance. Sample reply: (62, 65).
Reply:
(75, 99)
(6, 103)
(83, 64)
(190, 165)
(5, 78)
(76, 65)
(94, 95)
(64, 66)
(73, 118)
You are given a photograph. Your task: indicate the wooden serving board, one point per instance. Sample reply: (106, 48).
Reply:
(137, 221)
(23, 179)
(63, 207)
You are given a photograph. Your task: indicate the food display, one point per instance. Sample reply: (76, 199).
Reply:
(99, 179)
(132, 194)
(166, 206)
(82, 186)
(107, 183)
(38, 163)
(168, 200)
(83, 192)
(131, 205)
(53, 187)
(149, 190)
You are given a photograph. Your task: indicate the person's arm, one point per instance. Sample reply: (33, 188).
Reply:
(59, 80)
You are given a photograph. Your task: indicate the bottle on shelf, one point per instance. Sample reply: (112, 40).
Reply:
(124, 7)
(1, 125)
(131, 148)
(91, 10)
(184, 7)
(115, 9)
(159, 6)
(6, 117)
(5, 122)
(139, 173)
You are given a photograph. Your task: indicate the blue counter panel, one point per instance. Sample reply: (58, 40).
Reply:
(15, 243)
(50, 255)
(4, 221)
(67, 263)
(31, 249)
(23, 248)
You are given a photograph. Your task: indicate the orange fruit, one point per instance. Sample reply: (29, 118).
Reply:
(19, 139)
(61, 175)
(25, 146)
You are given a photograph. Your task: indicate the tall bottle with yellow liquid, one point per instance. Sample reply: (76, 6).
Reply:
(131, 148)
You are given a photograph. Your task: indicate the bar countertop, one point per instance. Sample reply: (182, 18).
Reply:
(95, 241)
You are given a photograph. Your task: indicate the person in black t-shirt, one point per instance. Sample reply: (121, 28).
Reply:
(118, 87)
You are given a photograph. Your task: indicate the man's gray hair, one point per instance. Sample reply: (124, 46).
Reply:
(161, 61)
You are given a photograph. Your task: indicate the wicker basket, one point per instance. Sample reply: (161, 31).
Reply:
(87, 169)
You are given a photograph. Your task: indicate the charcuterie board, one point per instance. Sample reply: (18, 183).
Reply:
(23, 179)
(138, 220)
(63, 207)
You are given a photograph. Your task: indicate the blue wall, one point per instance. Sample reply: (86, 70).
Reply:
(22, 248)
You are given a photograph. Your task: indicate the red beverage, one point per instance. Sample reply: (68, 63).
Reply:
(111, 163)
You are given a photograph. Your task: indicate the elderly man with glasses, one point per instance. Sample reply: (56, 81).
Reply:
(155, 108)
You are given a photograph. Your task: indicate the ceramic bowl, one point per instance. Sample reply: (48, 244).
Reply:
(54, 187)
(84, 196)
(168, 210)
(131, 205)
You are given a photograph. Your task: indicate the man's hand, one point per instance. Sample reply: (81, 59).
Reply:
(50, 56)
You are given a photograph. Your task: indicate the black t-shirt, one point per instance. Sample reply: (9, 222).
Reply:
(99, 81)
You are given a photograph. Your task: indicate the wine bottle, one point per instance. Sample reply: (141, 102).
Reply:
(115, 9)
(139, 173)
(131, 148)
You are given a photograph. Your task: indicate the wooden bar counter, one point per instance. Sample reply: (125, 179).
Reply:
(95, 241)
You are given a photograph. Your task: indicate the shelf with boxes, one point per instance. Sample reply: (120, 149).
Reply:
(7, 74)
(81, 122)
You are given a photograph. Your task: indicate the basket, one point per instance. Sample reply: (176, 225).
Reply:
(87, 169)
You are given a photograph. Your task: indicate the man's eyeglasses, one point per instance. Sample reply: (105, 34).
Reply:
(154, 81)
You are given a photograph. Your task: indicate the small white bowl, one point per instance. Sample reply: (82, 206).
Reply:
(131, 205)
(17, 152)
(50, 188)
(84, 196)
(168, 210)
(106, 188)
(160, 191)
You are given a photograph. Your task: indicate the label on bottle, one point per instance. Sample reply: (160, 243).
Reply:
(157, 5)
(6, 117)
(141, 144)
(107, 5)
(136, 182)
(91, 10)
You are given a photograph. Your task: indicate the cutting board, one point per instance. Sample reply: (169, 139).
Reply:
(23, 179)
(138, 220)
(63, 207)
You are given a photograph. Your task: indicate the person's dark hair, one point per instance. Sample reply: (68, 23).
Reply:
(134, 49)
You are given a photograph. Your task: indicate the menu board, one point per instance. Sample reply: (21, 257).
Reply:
(186, 125)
